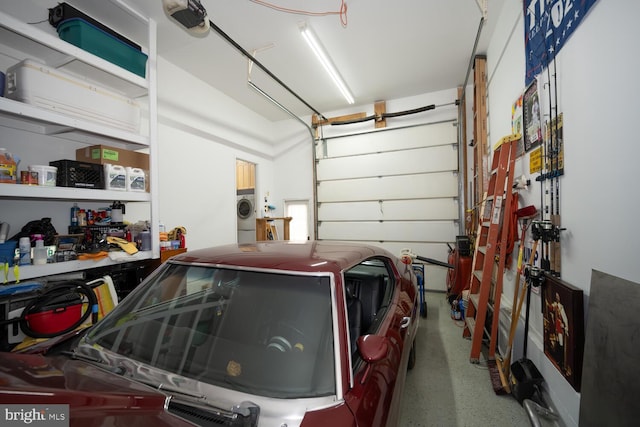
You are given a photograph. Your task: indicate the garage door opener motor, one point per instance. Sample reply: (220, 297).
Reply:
(189, 13)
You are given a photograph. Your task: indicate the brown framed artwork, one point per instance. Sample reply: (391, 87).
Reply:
(563, 315)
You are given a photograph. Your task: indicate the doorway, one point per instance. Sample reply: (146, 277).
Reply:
(246, 201)
(298, 210)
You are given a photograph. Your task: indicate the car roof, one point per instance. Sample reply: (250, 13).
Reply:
(302, 256)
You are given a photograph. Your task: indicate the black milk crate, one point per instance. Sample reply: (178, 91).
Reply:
(72, 173)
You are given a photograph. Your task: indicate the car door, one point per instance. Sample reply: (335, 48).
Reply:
(376, 392)
(407, 312)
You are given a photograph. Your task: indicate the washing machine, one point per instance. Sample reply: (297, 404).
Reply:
(246, 211)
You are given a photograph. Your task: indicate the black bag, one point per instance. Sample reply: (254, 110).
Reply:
(39, 226)
(527, 379)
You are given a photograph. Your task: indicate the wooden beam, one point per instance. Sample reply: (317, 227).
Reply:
(316, 122)
(379, 109)
(481, 156)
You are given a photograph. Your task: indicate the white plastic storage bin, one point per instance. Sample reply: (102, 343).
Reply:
(136, 179)
(115, 177)
(47, 175)
(42, 86)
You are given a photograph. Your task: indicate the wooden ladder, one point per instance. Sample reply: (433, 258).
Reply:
(485, 287)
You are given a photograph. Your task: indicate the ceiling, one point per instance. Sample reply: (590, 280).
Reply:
(384, 49)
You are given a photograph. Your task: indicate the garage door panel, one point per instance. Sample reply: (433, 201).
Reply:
(409, 231)
(432, 159)
(401, 139)
(427, 186)
(424, 209)
(396, 188)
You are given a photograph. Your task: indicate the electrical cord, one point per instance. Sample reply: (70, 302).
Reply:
(342, 12)
(384, 115)
(56, 293)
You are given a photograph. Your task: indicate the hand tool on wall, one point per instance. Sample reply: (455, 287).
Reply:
(524, 215)
(515, 314)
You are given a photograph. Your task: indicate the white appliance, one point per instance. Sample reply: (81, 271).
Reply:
(246, 211)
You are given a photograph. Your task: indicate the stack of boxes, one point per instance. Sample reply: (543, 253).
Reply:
(124, 170)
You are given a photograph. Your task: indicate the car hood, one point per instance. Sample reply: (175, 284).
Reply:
(94, 395)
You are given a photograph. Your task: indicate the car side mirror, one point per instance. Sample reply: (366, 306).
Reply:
(372, 348)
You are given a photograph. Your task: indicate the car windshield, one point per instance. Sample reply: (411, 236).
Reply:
(263, 333)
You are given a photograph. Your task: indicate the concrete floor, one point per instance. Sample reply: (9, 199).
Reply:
(444, 388)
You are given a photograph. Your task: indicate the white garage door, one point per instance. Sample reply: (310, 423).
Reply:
(397, 188)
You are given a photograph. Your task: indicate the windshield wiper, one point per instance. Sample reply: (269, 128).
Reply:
(169, 389)
(245, 410)
(119, 370)
(245, 414)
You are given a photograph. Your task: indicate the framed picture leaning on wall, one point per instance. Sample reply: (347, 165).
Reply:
(563, 316)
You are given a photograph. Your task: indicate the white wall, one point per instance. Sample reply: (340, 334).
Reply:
(597, 84)
(293, 173)
(201, 132)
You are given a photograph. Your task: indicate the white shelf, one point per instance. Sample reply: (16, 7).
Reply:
(28, 272)
(27, 41)
(63, 134)
(18, 115)
(41, 192)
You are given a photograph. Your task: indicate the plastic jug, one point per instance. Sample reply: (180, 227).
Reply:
(25, 251)
(39, 251)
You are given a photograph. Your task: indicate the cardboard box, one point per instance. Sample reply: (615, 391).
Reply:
(103, 154)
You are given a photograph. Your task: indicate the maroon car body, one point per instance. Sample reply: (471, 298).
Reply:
(186, 343)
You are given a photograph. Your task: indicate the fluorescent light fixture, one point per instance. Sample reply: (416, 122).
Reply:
(324, 59)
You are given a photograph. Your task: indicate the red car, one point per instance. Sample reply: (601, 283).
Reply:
(268, 334)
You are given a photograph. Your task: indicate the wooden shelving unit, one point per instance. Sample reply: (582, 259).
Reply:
(266, 228)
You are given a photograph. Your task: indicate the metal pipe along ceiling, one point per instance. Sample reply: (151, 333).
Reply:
(262, 67)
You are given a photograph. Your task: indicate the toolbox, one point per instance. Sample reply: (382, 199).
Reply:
(37, 84)
(72, 173)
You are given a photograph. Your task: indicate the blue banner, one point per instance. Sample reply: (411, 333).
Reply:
(547, 26)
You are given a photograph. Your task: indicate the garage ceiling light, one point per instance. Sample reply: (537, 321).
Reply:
(324, 59)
